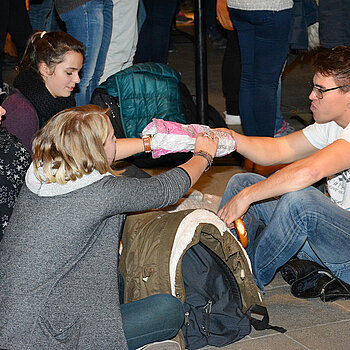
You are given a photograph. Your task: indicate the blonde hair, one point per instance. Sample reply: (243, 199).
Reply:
(71, 144)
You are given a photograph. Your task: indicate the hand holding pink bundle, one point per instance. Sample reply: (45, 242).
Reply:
(172, 137)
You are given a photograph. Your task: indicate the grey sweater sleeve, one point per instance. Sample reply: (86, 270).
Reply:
(122, 194)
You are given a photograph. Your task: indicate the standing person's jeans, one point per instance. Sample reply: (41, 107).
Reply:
(91, 23)
(305, 221)
(44, 16)
(154, 36)
(263, 39)
(152, 319)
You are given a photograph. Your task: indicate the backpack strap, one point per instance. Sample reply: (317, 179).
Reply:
(264, 322)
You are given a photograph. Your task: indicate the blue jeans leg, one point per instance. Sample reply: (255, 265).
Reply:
(106, 38)
(155, 318)
(86, 23)
(305, 222)
(300, 217)
(39, 14)
(154, 35)
(257, 217)
(263, 39)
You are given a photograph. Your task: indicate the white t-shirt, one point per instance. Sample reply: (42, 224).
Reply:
(322, 135)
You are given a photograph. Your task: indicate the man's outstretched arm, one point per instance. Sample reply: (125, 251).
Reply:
(296, 176)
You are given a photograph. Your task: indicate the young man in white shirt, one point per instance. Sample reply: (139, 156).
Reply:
(292, 215)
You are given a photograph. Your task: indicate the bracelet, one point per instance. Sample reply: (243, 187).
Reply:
(205, 155)
(147, 143)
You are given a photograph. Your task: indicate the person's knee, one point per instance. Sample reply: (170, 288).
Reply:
(171, 310)
(237, 183)
(243, 180)
(300, 201)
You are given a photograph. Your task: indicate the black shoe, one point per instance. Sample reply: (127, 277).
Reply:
(312, 285)
(334, 290)
(296, 269)
(321, 284)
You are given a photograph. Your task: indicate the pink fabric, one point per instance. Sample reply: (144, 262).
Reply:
(172, 137)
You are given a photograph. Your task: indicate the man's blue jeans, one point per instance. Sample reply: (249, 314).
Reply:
(91, 23)
(305, 222)
(155, 318)
(263, 39)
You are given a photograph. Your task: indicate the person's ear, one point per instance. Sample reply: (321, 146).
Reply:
(44, 70)
(347, 94)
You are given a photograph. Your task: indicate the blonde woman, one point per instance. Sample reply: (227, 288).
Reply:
(58, 259)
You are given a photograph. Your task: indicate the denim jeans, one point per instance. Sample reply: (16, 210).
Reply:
(44, 16)
(263, 39)
(155, 318)
(91, 23)
(154, 36)
(305, 222)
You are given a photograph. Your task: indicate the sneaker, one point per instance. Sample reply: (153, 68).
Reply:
(285, 130)
(217, 40)
(163, 345)
(231, 119)
(181, 18)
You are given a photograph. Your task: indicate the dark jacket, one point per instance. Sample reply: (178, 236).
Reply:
(155, 242)
(21, 118)
(334, 23)
(146, 91)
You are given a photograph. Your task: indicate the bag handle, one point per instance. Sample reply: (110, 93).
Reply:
(264, 322)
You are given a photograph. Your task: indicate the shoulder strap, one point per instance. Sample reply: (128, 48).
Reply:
(264, 322)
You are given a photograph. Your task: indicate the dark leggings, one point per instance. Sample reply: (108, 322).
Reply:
(154, 36)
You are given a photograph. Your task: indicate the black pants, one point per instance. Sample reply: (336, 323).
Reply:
(154, 36)
(14, 19)
(231, 73)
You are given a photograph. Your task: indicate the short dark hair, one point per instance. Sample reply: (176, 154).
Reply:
(334, 63)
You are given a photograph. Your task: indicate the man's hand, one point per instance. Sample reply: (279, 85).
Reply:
(234, 209)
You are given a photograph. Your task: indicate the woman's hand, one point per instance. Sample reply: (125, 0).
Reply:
(207, 142)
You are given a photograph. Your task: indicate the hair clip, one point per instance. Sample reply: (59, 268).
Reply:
(42, 34)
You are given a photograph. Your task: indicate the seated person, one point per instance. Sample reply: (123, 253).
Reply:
(58, 259)
(48, 73)
(292, 215)
(14, 161)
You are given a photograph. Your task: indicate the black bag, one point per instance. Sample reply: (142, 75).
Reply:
(213, 302)
(189, 109)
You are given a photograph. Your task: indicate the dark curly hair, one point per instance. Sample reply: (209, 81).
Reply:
(334, 63)
(49, 48)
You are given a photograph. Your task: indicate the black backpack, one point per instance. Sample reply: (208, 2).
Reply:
(213, 302)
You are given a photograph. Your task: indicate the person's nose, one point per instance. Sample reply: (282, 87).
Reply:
(76, 78)
(313, 95)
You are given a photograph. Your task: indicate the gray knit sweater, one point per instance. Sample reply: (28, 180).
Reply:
(254, 5)
(58, 259)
